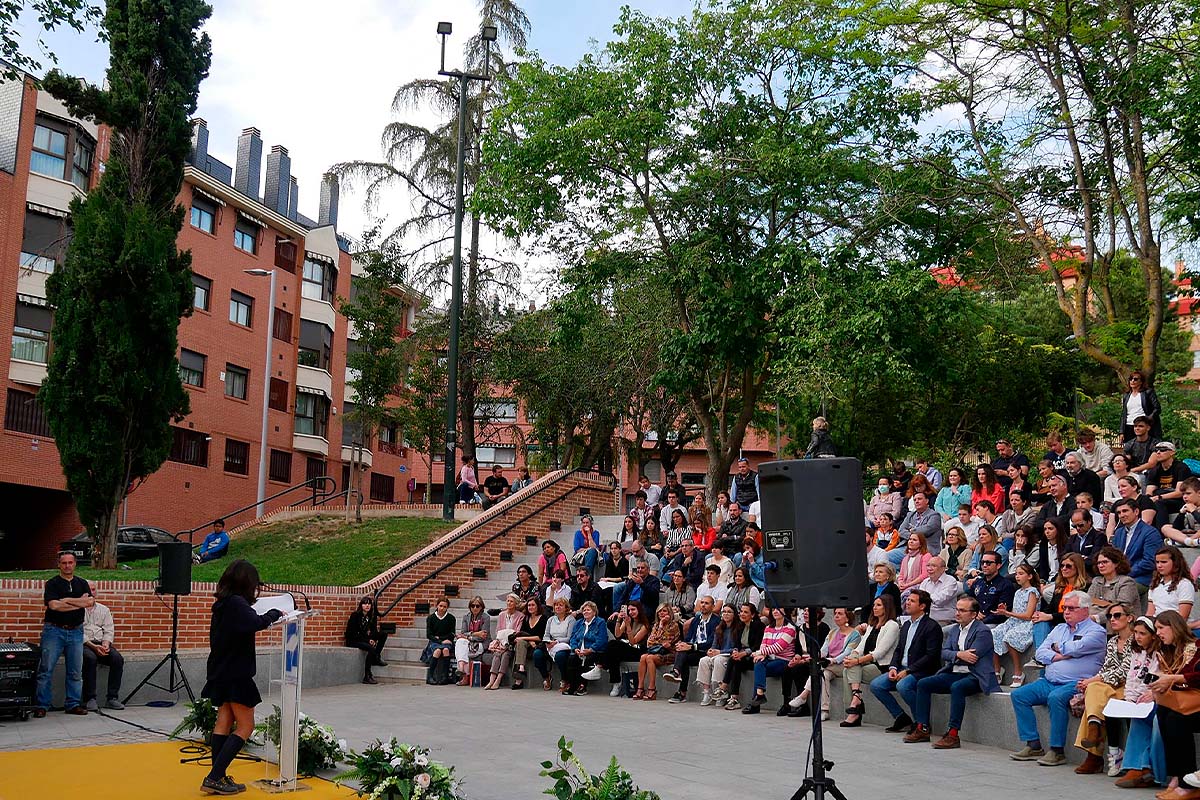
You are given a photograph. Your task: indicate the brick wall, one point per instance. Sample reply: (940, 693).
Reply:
(143, 618)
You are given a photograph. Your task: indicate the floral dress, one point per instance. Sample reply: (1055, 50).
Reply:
(1013, 631)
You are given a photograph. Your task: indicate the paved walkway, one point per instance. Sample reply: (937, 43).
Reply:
(497, 739)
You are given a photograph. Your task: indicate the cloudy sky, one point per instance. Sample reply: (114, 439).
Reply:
(318, 77)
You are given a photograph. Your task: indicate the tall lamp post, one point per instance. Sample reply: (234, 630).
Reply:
(260, 508)
(488, 34)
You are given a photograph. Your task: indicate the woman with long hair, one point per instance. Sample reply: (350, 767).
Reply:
(1041, 487)
(1108, 683)
(1144, 761)
(1179, 669)
(439, 643)
(984, 486)
(551, 559)
(988, 542)
(528, 639)
(880, 633)
(743, 590)
(652, 536)
(629, 530)
(954, 494)
(1024, 549)
(1072, 576)
(231, 667)
(912, 566)
(721, 512)
(838, 645)
(1140, 401)
(660, 649)
(680, 530)
(1171, 588)
(362, 632)
(1053, 543)
(630, 630)
(772, 657)
(1015, 634)
(956, 552)
(1117, 468)
(713, 663)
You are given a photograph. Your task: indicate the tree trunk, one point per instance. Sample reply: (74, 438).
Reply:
(104, 545)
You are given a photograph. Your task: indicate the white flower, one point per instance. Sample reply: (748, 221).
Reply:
(342, 744)
(421, 760)
(422, 780)
(396, 762)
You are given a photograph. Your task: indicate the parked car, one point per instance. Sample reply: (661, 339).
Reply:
(134, 542)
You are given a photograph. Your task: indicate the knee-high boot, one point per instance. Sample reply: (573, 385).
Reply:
(441, 671)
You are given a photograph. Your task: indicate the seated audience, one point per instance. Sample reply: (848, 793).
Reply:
(362, 632)
(1138, 540)
(991, 589)
(712, 665)
(742, 590)
(695, 644)
(912, 567)
(589, 639)
(495, 487)
(986, 486)
(966, 671)
(885, 583)
(472, 638)
(884, 500)
(652, 538)
(1118, 468)
(1024, 549)
(741, 659)
(99, 632)
(1164, 481)
(1072, 576)
(772, 657)
(660, 650)
(585, 546)
(439, 635)
(526, 585)
(556, 644)
(631, 626)
(1171, 588)
(1085, 539)
(642, 587)
(957, 553)
(1108, 683)
(679, 595)
(917, 655)
(943, 590)
(584, 590)
(508, 624)
(528, 639)
(1112, 583)
(1180, 668)
(1144, 759)
(712, 589)
(717, 558)
(703, 535)
(1015, 634)
(988, 542)
(1053, 542)
(551, 560)
(887, 537)
(215, 544)
(1184, 529)
(556, 589)
(689, 561)
(1095, 454)
(1073, 651)
(1019, 513)
(923, 520)
(880, 634)
(953, 496)
(1080, 479)
(875, 554)
(837, 646)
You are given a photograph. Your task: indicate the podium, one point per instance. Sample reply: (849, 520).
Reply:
(291, 630)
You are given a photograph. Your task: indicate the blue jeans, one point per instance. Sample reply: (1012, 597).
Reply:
(1057, 696)
(560, 660)
(1040, 631)
(896, 556)
(55, 643)
(768, 666)
(958, 685)
(883, 686)
(1144, 748)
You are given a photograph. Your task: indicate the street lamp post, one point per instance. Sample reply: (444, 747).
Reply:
(488, 34)
(260, 508)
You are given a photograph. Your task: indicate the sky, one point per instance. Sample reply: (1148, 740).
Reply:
(318, 77)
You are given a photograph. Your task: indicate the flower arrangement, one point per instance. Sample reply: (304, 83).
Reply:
(396, 771)
(319, 748)
(572, 781)
(201, 718)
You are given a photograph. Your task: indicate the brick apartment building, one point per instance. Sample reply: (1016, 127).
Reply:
(238, 218)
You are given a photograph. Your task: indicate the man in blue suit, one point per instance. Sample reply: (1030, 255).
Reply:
(688, 652)
(918, 655)
(967, 653)
(1138, 541)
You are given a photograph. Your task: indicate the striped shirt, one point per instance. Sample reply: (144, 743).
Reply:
(779, 642)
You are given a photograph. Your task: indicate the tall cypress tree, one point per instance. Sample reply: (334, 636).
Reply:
(113, 386)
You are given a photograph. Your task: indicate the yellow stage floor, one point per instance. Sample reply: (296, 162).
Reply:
(130, 772)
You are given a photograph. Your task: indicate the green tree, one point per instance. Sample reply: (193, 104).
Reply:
(703, 149)
(422, 410)
(376, 309)
(113, 385)
(422, 162)
(51, 15)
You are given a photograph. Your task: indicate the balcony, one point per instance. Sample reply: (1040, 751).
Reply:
(318, 311)
(310, 444)
(29, 373)
(348, 456)
(314, 378)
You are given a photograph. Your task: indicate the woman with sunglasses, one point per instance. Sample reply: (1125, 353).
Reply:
(1143, 760)
(362, 631)
(1108, 683)
(472, 639)
(1113, 585)
(1140, 401)
(1072, 577)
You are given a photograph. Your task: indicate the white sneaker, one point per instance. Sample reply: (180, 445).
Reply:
(593, 674)
(797, 701)
(1192, 779)
(616, 690)
(719, 697)
(1115, 756)
(706, 699)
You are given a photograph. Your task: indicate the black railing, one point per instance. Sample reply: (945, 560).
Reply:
(320, 486)
(502, 532)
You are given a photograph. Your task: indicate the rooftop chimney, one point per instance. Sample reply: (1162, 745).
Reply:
(199, 155)
(1180, 267)
(293, 199)
(279, 173)
(328, 214)
(249, 162)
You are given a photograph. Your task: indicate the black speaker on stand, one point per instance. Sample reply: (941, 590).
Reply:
(813, 510)
(175, 579)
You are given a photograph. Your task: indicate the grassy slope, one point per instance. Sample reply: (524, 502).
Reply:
(320, 551)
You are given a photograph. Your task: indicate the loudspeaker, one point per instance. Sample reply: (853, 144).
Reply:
(174, 568)
(813, 510)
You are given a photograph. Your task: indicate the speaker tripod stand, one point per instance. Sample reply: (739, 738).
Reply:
(171, 661)
(818, 785)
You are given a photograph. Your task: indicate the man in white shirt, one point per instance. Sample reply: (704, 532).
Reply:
(1095, 454)
(968, 522)
(98, 647)
(755, 513)
(673, 505)
(712, 588)
(653, 491)
(943, 590)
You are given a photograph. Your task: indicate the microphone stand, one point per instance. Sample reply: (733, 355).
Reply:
(818, 784)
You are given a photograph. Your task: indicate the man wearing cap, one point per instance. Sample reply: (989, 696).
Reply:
(1163, 482)
(743, 489)
(1094, 453)
(1005, 455)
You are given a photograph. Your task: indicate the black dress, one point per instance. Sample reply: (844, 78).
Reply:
(231, 660)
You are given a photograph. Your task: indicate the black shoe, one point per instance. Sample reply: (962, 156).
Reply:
(759, 700)
(379, 662)
(217, 786)
(802, 711)
(752, 708)
(902, 724)
(370, 679)
(241, 787)
(783, 710)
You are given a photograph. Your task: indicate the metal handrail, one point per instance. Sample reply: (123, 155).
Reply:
(320, 485)
(379, 592)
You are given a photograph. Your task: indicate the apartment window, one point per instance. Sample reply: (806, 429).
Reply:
(280, 468)
(241, 308)
(236, 381)
(496, 410)
(312, 414)
(315, 468)
(44, 242)
(504, 456)
(316, 344)
(191, 367)
(278, 398)
(204, 214)
(31, 333)
(237, 457)
(283, 325)
(23, 414)
(189, 447)
(383, 488)
(245, 235)
(389, 433)
(81, 166)
(201, 292)
(692, 478)
(320, 280)
(49, 150)
(285, 254)
(351, 428)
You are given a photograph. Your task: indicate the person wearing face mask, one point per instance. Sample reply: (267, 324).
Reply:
(884, 500)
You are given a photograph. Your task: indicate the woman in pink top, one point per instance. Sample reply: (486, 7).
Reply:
(501, 647)
(468, 484)
(551, 560)
(772, 657)
(912, 567)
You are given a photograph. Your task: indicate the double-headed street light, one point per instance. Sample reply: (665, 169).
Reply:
(488, 34)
